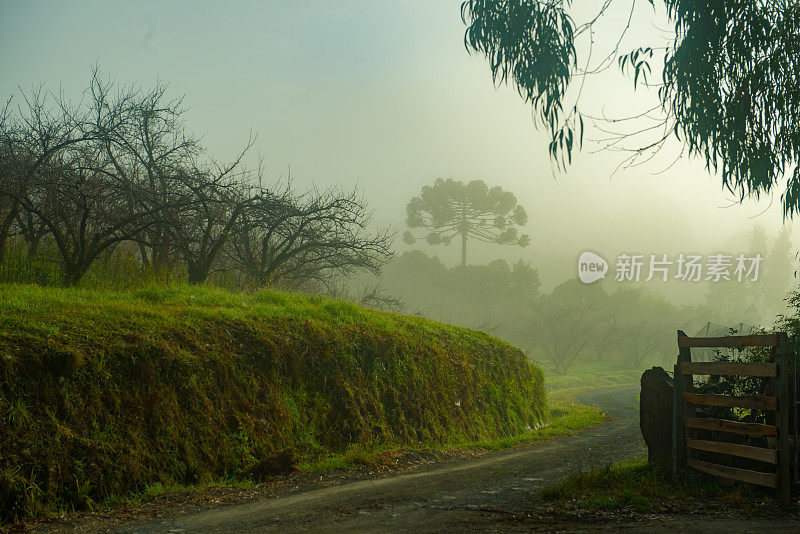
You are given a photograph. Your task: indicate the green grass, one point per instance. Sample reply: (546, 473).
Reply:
(636, 486)
(592, 375)
(107, 393)
(565, 420)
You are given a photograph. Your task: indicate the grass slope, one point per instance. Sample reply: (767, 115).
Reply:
(107, 393)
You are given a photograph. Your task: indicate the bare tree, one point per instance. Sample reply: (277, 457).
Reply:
(80, 204)
(31, 229)
(605, 336)
(44, 126)
(562, 332)
(312, 237)
(151, 148)
(9, 208)
(120, 166)
(642, 341)
(72, 177)
(220, 197)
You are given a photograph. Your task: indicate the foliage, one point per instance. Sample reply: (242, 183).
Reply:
(107, 393)
(450, 209)
(628, 327)
(480, 296)
(728, 80)
(531, 44)
(572, 326)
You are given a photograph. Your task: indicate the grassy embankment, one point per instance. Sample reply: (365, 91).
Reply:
(110, 394)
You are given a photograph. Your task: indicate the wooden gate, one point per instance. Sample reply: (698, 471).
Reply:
(686, 424)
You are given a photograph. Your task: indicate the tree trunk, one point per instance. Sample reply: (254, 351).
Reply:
(145, 257)
(5, 229)
(198, 272)
(74, 273)
(464, 231)
(464, 250)
(33, 247)
(159, 255)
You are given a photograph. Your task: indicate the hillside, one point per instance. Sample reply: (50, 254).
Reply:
(106, 393)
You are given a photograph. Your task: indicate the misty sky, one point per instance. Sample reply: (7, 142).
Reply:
(384, 95)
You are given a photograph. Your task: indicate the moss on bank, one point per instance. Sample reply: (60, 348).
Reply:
(108, 393)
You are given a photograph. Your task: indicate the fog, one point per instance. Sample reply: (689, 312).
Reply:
(384, 97)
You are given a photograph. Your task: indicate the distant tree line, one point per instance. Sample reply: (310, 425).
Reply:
(575, 326)
(119, 170)
(571, 326)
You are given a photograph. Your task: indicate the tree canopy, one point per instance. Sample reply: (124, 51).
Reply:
(729, 86)
(450, 209)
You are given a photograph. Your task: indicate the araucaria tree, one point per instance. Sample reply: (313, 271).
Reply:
(450, 209)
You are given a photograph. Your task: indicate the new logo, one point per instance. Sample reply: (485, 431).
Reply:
(591, 267)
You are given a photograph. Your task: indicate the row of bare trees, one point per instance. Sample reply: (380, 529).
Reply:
(119, 169)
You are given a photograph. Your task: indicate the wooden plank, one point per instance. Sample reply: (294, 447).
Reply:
(769, 480)
(759, 402)
(754, 340)
(782, 420)
(761, 454)
(734, 427)
(729, 369)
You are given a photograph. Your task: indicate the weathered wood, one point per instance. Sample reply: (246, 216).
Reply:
(729, 369)
(681, 385)
(761, 454)
(778, 400)
(734, 427)
(758, 402)
(769, 480)
(782, 420)
(754, 340)
(678, 430)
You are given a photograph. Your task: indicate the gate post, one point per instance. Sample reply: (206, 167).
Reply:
(782, 421)
(679, 410)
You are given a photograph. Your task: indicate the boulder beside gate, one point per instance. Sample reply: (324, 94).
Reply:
(655, 415)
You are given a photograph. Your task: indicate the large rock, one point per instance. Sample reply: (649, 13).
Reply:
(655, 415)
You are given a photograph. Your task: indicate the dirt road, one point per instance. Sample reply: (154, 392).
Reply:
(490, 493)
(497, 492)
